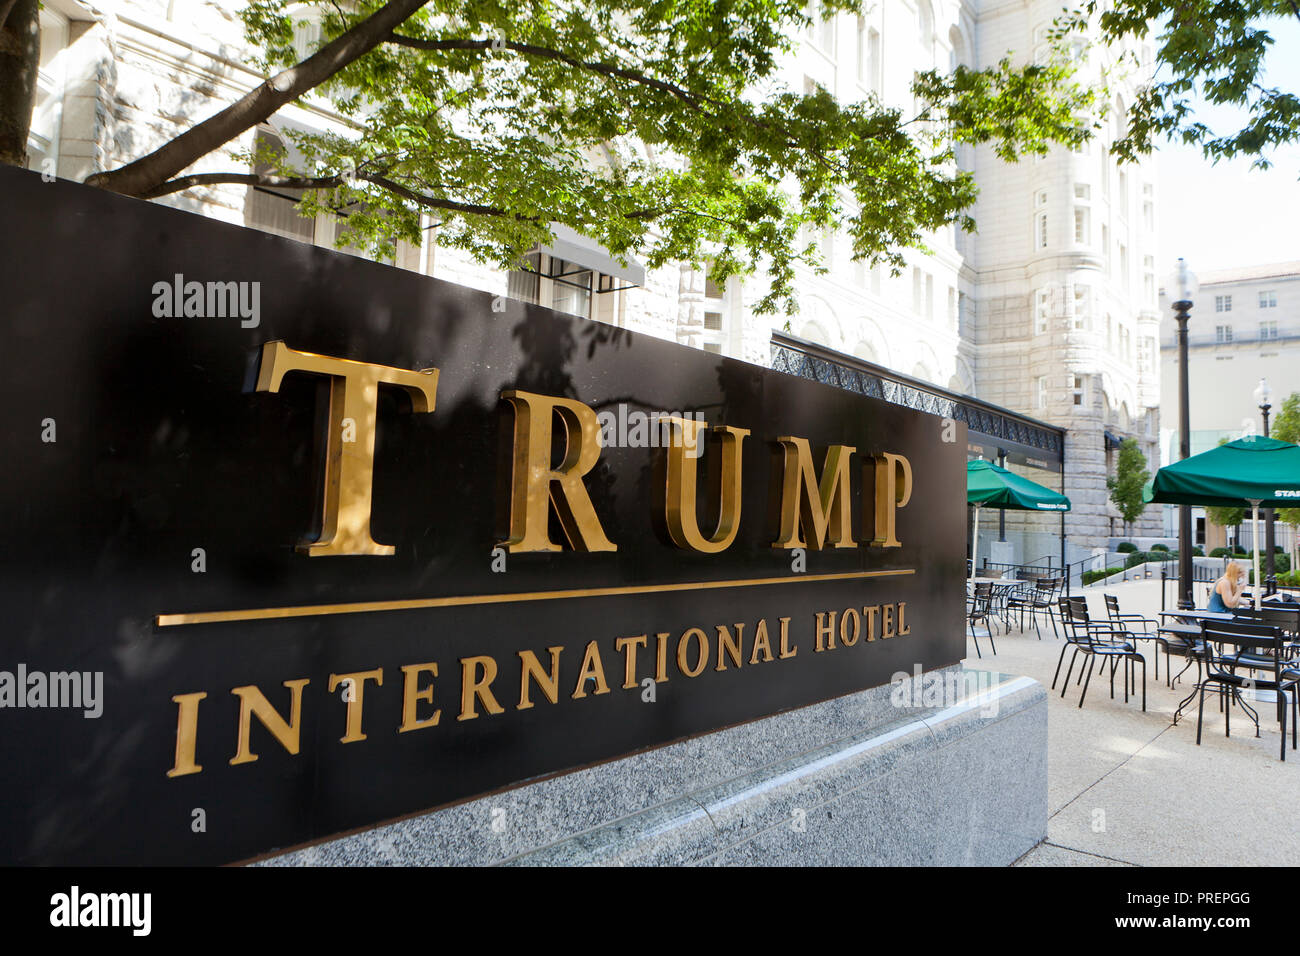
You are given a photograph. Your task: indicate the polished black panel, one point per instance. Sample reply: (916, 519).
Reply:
(163, 446)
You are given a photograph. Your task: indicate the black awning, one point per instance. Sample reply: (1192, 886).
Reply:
(1112, 440)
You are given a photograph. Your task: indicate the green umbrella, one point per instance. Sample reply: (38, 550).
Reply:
(1250, 472)
(987, 484)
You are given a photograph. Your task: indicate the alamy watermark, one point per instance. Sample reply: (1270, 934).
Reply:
(126, 910)
(179, 299)
(944, 689)
(82, 690)
(624, 428)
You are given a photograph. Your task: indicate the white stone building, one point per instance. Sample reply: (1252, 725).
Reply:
(1050, 310)
(1243, 327)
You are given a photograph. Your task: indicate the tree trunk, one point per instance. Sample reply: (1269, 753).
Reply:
(20, 52)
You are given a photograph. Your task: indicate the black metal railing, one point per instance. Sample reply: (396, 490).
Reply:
(1036, 569)
(1024, 572)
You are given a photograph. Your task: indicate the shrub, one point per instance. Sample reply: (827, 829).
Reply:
(1090, 576)
(1160, 547)
(1281, 562)
(1198, 552)
(1126, 547)
(1220, 553)
(1134, 559)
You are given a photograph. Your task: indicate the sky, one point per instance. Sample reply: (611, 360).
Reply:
(1227, 215)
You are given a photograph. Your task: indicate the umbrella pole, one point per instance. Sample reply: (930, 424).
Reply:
(974, 541)
(1258, 590)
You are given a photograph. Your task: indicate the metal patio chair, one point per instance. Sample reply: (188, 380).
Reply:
(979, 611)
(1258, 649)
(1099, 640)
(1039, 599)
(1138, 627)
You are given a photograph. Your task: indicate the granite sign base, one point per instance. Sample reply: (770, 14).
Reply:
(948, 768)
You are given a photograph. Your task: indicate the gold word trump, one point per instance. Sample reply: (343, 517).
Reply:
(815, 510)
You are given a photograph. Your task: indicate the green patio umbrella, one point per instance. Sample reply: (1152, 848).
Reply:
(1252, 472)
(987, 484)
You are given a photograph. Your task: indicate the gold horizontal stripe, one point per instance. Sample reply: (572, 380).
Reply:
(361, 607)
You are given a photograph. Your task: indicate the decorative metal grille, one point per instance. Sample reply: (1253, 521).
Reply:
(808, 360)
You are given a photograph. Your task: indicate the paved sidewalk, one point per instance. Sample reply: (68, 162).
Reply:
(1130, 788)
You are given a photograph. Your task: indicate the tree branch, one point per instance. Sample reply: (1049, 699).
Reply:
(149, 172)
(696, 103)
(320, 182)
(528, 49)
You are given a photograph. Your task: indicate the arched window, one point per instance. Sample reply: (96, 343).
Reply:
(813, 332)
(925, 34)
(958, 56)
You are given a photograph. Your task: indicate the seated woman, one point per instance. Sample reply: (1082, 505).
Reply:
(1226, 594)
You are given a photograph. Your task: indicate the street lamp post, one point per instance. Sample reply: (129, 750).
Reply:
(1183, 285)
(1262, 396)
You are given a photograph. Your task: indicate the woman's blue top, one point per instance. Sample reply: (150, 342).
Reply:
(1216, 604)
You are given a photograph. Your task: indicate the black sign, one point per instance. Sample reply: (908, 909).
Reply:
(268, 577)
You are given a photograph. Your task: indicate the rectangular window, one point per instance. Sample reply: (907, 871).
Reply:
(1268, 300)
(1223, 303)
(1082, 226)
(1042, 310)
(929, 296)
(524, 283)
(1082, 306)
(716, 310)
(47, 113)
(1123, 264)
(1076, 383)
(275, 210)
(868, 56)
(1267, 331)
(1040, 231)
(874, 60)
(1105, 245)
(559, 285)
(1223, 333)
(1149, 215)
(571, 292)
(1040, 392)
(862, 51)
(821, 31)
